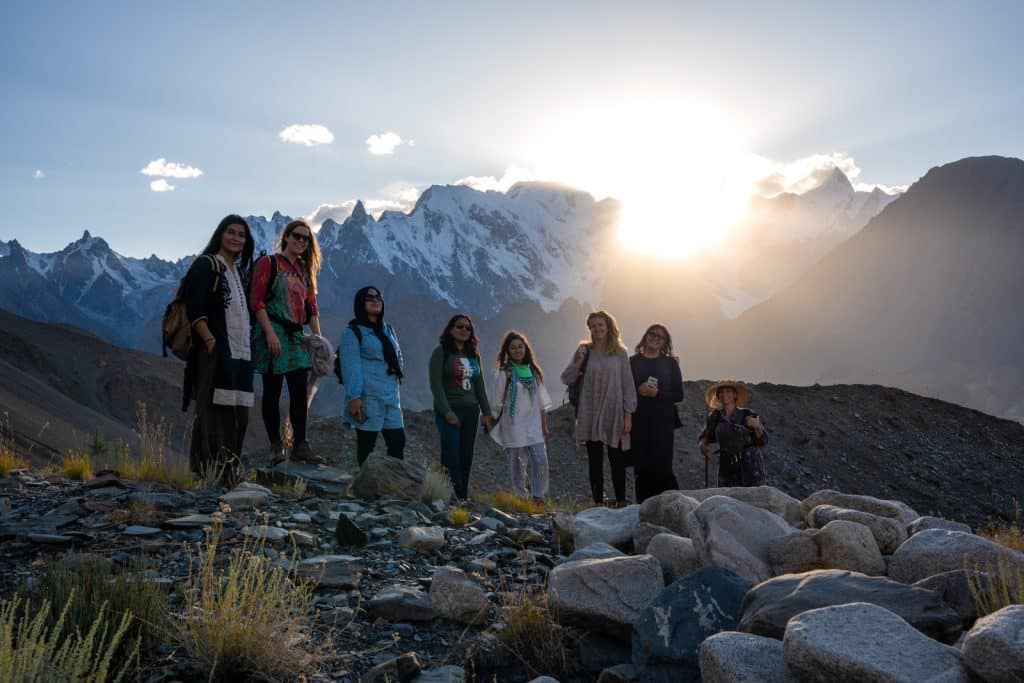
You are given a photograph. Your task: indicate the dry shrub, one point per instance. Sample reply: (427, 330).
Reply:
(156, 461)
(1004, 586)
(33, 652)
(531, 634)
(509, 502)
(249, 621)
(436, 485)
(76, 466)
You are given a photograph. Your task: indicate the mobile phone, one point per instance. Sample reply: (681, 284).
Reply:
(652, 380)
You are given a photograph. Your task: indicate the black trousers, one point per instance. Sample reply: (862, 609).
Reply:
(297, 380)
(394, 439)
(595, 455)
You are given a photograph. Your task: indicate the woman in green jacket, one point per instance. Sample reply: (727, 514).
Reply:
(460, 397)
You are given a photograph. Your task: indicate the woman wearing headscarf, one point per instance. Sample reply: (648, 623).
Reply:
(738, 432)
(371, 365)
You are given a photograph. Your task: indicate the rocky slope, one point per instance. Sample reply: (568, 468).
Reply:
(708, 584)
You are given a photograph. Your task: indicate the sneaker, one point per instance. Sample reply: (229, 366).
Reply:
(301, 452)
(275, 453)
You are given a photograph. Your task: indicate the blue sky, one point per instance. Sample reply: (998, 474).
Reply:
(96, 91)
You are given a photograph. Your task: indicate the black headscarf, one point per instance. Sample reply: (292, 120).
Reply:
(359, 310)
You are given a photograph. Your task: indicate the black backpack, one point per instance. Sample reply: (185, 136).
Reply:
(576, 388)
(337, 352)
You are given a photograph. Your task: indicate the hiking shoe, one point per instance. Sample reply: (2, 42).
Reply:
(275, 453)
(301, 452)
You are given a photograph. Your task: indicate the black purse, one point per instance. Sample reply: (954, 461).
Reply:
(576, 388)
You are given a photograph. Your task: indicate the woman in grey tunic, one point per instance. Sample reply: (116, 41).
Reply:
(607, 402)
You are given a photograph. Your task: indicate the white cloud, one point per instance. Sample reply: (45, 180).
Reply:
(308, 134)
(162, 186)
(512, 175)
(386, 143)
(769, 178)
(38, 174)
(401, 198)
(170, 169)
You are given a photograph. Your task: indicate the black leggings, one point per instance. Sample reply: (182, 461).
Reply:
(595, 454)
(394, 439)
(297, 380)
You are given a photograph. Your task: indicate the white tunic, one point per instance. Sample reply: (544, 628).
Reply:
(525, 428)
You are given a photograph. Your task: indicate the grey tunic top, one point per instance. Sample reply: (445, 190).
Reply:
(608, 392)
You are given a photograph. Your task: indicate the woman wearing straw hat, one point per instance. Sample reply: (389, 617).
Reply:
(738, 432)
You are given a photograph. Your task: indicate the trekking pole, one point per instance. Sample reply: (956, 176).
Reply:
(705, 471)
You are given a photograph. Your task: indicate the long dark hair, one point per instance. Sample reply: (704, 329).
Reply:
(310, 259)
(666, 348)
(503, 358)
(361, 318)
(245, 258)
(447, 341)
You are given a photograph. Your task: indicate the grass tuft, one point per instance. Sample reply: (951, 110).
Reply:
(247, 622)
(436, 485)
(31, 651)
(460, 516)
(8, 460)
(531, 634)
(507, 501)
(76, 466)
(97, 587)
(293, 490)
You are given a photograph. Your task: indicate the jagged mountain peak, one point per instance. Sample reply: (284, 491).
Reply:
(359, 214)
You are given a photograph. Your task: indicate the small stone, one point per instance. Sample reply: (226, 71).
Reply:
(503, 517)
(606, 525)
(271, 534)
(621, 673)
(402, 669)
(301, 518)
(348, 534)
(457, 597)
(138, 530)
(482, 537)
(189, 522)
(424, 540)
(483, 565)
(331, 571)
(246, 496)
(401, 603)
(527, 537)
(302, 538)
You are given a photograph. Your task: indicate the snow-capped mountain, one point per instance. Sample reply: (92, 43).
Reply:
(539, 247)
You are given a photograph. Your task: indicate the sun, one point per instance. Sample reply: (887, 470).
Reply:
(672, 165)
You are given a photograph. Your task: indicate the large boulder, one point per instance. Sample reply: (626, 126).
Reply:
(768, 606)
(458, 597)
(382, 475)
(670, 509)
(838, 545)
(869, 504)
(934, 551)
(605, 525)
(676, 556)
(955, 588)
(731, 657)
(925, 523)
(729, 533)
(596, 551)
(889, 533)
(994, 648)
(604, 595)
(644, 532)
(863, 642)
(765, 497)
(670, 630)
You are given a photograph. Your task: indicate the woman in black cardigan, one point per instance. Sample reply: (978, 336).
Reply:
(659, 386)
(218, 372)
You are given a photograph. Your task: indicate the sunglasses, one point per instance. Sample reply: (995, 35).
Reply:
(374, 297)
(462, 326)
(302, 237)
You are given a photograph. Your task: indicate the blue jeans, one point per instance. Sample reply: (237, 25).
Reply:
(457, 443)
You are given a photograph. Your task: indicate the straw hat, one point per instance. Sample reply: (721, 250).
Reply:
(711, 395)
